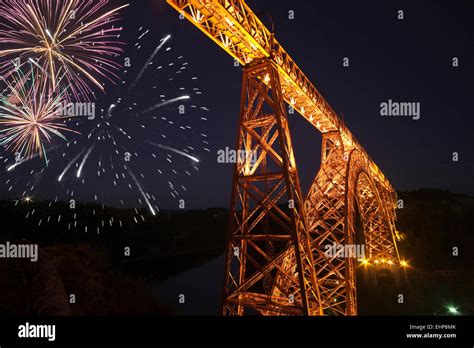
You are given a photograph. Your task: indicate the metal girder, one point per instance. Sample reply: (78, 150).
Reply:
(267, 211)
(276, 262)
(342, 182)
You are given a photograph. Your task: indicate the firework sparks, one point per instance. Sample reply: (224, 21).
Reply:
(172, 149)
(29, 116)
(112, 164)
(142, 192)
(147, 64)
(75, 38)
(165, 103)
(84, 160)
(60, 178)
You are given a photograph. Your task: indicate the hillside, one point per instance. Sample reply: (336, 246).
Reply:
(95, 268)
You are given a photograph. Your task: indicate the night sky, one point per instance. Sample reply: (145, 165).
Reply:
(407, 60)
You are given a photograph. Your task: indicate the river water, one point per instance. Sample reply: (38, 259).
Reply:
(201, 287)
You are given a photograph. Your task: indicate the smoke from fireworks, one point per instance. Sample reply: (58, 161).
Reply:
(72, 38)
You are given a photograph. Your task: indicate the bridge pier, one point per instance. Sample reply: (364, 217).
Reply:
(267, 228)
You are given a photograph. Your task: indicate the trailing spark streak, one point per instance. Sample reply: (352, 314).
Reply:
(165, 103)
(109, 111)
(157, 49)
(140, 188)
(25, 160)
(66, 169)
(172, 149)
(32, 61)
(84, 160)
(19, 163)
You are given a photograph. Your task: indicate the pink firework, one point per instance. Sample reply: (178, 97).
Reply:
(30, 115)
(76, 39)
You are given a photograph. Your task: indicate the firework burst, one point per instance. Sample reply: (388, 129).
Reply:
(29, 115)
(72, 38)
(133, 159)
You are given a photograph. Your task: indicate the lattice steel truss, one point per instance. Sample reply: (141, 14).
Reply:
(277, 262)
(267, 219)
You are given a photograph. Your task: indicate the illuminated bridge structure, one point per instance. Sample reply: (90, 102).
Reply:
(278, 261)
